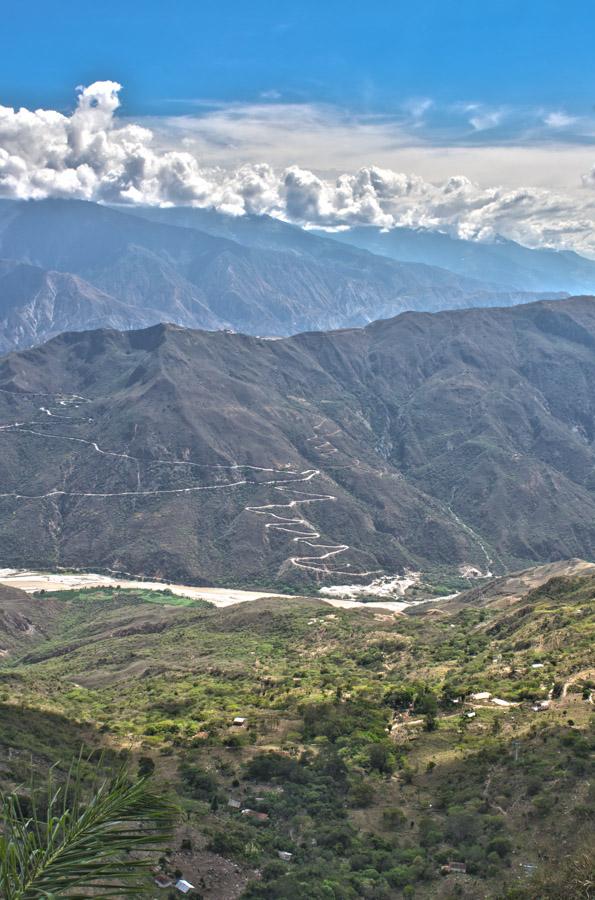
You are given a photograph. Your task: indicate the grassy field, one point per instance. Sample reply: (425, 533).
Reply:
(363, 749)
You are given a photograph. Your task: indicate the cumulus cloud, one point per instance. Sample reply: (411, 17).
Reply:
(94, 154)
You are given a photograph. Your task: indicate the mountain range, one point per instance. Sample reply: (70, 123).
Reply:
(202, 269)
(501, 261)
(425, 442)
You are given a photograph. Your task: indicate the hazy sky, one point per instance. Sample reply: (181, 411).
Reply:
(497, 91)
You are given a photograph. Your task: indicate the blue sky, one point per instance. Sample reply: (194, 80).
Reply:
(475, 117)
(367, 56)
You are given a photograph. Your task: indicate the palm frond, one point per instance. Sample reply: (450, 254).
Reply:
(83, 841)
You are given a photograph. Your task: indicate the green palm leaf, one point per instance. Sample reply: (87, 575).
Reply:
(83, 844)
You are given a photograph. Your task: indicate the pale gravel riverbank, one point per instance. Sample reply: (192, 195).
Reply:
(32, 581)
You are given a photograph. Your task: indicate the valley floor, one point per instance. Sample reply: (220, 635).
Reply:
(32, 581)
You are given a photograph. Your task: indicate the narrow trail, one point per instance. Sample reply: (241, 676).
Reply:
(577, 676)
(301, 530)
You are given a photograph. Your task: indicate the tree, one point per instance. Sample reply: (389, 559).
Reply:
(381, 757)
(76, 843)
(461, 825)
(426, 702)
(431, 722)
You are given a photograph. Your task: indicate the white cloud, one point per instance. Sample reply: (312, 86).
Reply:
(216, 159)
(485, 119)
(417, 107)
(559, 120)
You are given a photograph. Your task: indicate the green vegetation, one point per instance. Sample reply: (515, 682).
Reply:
(163, 597)
(77, 839)
(357, 755)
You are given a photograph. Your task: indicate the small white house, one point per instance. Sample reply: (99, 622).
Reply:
(284, 855)
(184, 886)
(470, 715)
(239, 721)
(481, 695)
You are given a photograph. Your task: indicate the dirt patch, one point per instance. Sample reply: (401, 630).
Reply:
(213, 876)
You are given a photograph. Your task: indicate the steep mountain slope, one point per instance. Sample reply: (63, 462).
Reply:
(445, 440)
(256, 276)
(24, 622)
(36, 304)
(504, 262)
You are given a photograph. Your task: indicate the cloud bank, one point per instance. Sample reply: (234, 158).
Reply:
(94, 154)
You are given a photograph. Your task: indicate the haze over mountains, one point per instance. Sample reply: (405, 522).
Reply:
(446, 440)
(503, 261)
(258, 275)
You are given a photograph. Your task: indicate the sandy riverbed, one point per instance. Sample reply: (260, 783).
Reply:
(32, 581)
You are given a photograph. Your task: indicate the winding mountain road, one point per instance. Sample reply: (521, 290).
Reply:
(302, 531)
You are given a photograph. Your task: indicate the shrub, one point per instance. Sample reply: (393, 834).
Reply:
(430, 832)
(393, 817)
(265, 766)
(381, 757)
(361, 794)
(461, 825)
(399, 876)
(201, 785)
(500, 845)
(146, 766)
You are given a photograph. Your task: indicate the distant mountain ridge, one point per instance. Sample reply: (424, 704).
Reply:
(38, 303)
(201, 269)
(447, 440)
(503, 262)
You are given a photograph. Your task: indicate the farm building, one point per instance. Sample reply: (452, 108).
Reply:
(457, 867)
(253, 814)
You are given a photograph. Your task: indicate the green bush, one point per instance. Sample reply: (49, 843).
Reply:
(393, 817)
(500, 845)
(199, 783)
(381, 757)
